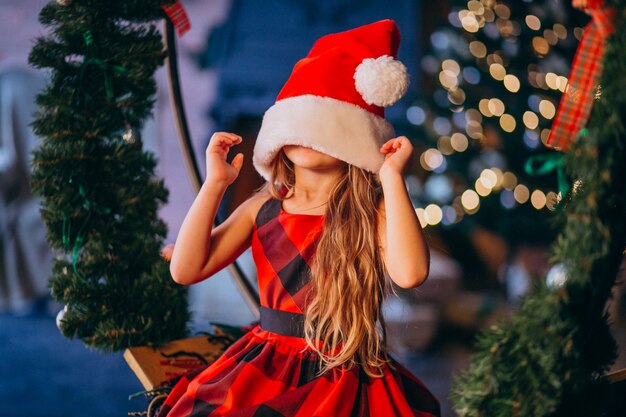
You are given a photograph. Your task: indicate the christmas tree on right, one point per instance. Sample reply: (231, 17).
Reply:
(502, 73)
(494, 73)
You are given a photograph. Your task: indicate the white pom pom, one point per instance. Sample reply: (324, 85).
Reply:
(381, 81)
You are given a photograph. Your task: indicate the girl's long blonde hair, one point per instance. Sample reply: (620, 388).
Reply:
(343, 320)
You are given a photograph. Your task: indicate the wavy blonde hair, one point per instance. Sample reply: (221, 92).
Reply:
(344, 324)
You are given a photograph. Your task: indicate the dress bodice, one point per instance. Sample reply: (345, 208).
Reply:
(283, 245)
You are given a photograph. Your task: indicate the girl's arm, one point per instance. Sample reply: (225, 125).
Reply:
(200, 250)
(403, 245)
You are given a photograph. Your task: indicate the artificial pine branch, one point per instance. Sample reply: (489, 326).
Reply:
(100, 194)
(549, 359)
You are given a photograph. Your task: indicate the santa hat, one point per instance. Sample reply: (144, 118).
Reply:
(334, 100)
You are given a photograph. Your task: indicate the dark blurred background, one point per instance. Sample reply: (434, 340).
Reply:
(485, 82)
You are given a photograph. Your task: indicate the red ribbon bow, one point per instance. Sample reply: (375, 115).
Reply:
(577, 100)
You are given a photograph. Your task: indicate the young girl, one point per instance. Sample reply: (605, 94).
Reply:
(333, 219)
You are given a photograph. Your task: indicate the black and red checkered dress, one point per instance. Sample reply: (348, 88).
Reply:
(270, 371)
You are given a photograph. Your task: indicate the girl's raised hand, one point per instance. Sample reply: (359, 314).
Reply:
(397, 153)
(217, 169)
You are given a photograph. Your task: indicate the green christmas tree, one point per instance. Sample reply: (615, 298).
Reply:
(549, 360)
(100, 194)
(493, 75)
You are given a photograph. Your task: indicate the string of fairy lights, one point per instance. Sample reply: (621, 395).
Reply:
(495, 20)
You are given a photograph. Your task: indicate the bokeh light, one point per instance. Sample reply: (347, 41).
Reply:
(470, 201)
(540, 45)
(433, 214)
(547, 109)
(481, 188)
(509, 180)
(459, 142)
(533, 22)
(496, 106)
(497, 71)
(416, 115)
(552, 199)
(511, 83)
(444, 145)
(489, 177)
(538, 199)
(508, 123)
(530, 119)
(431, 159)
(521, 193)
(483, 106)
(478, 49)
(471, 75)
(560, 30)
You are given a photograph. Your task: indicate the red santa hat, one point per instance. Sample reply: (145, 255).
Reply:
(334, 100)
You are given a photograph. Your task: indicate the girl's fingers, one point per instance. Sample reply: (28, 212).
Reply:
(237, 162)
(394, 143)
(224, 141)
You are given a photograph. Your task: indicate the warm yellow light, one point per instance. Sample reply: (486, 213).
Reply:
(433, 214)
(499, 177)
(561, 83)
(483, 106)
(552, 80)
(509, 180)
(476, 7)
(444, 145)
(511, 82)
(560, 30)
(545, 133)
(470, 200)
(538, 199)
(532, 79)
(496, 106)
(451, 65)
(468, 21)
(474, 129)
(552, 199)
(550, 36)
(540, 45)
(502, 11)
(489, 15)
(533, 22)
(489, 177)
(431, 159)
(481, 188)
(531, 121)
(507, 123)
(578, 32)
(494, 59)
(456, 96)
(478, 49)
(547, 109)
(497, 71)
(459, 142)
(521, 193)
(473, 114)
(448, 79)
(420, 216)
(505, 27)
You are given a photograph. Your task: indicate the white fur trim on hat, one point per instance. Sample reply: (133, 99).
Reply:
(381, 81)
(337, 128)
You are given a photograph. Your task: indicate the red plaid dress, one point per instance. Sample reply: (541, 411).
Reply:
(270, 371)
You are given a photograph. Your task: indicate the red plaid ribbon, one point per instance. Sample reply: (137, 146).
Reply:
(176, 12)
(577, 100)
